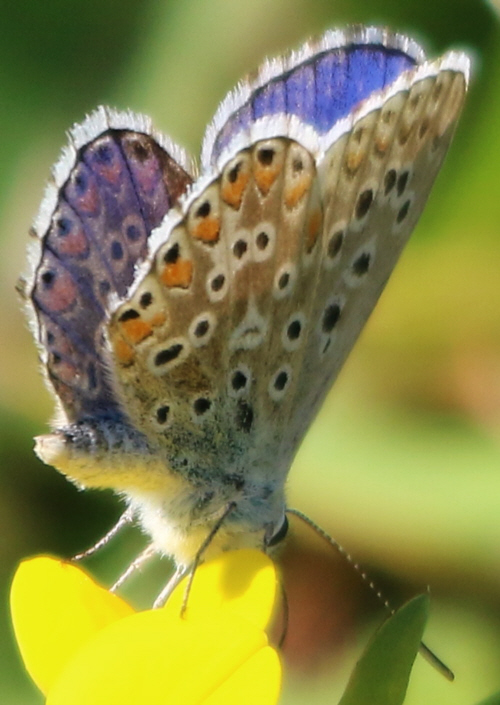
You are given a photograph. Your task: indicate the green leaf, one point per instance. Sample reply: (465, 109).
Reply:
(382, 673)
(492, 700)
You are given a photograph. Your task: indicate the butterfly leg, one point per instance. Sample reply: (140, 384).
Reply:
(180, 572)
(137, 563)
(126, 518)
(191, 569)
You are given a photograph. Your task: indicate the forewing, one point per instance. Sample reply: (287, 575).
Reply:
(321, 83)
(375, 180)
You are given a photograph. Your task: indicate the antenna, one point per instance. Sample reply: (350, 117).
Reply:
(424, 650)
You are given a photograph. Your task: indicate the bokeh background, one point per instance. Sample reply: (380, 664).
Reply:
(403, 463)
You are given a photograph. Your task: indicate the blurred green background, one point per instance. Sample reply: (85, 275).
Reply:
(403, 464)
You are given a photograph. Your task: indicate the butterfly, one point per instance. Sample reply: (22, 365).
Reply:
(190, 324)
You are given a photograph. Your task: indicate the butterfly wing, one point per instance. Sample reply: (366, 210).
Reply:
(259, 285)
(375, 179)
(319, 85)
(112, 186)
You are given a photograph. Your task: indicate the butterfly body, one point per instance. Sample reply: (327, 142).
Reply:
(191, 328)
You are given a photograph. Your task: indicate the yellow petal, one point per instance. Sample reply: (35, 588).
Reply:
(153, 658)
(258, 680)
(242, 581)
(56, 607)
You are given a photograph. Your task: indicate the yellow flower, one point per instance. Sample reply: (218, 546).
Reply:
(83, 645)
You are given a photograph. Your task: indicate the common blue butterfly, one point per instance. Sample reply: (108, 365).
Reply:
(191, 325)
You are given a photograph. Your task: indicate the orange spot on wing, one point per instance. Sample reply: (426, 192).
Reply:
(354, 159)
(265, 176)
(61, 295)
(207, 229)
(232, 193)
(313, 228)
(295, 191)
(124, 352)
(177, 273)
(75, 243)
(382, 143)
(136, 330)
(89, 202)
(158, 319)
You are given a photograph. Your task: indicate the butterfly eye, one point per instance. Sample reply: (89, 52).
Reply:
(280, 534)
